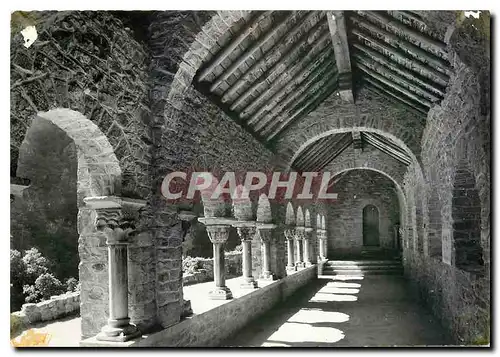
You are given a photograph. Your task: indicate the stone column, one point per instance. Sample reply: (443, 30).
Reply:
(325, 243)
(218, 235)
(290, 238)
(109, 221)
(265, 232)
(319, 234)
(299, 237)
(307, 246)
(246, 231)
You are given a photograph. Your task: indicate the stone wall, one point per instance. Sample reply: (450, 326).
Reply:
(356, 189)
(212, 327)
(56, 307)
(456, 144)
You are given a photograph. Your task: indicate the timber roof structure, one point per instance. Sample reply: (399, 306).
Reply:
(275, 67)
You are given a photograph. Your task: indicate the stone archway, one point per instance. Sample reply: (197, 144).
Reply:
(371, 234)
(63, 147)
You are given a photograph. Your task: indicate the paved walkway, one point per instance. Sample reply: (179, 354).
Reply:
(329, 312)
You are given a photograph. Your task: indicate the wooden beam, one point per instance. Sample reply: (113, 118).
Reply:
(388, 150)
(395, 25)
(394, 97)
(321, 94)
(341, 145)
(304, 97)
(297, 73)
(413, 17)
(280, 47)
(396, 67)
(408, 47)
(294, 94)
(249, 52)
(429, 71)
(249, 28)
(296, 51)
(391, 75)
(395, 86)
(337, 26)
(309, 153)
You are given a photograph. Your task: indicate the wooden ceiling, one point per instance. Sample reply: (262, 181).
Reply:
(274, 67)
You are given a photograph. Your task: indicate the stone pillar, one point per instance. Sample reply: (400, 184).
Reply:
(109, 221)
(307, 246)
(299, 237)
(218, 235)
(265, 232)
(246, 231)
(319, 234)
(290, 238)
(325, 243)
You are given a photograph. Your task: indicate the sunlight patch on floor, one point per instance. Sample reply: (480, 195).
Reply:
(318, 315)
(304, 333)
(320, 297)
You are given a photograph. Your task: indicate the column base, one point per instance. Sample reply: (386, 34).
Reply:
(118, 334)
(290, 270)
(300, 265)
(220, 293)
(249, 284)
(267, 276)
(187, 311)
(308, 264)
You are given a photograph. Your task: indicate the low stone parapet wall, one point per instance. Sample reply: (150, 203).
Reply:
(52, 309)
(212, 327)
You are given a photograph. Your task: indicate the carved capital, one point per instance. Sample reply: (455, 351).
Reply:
(109, 219)
(246, 233)
(300, 233)
(218, 233)
(290, 233)
(265, 234)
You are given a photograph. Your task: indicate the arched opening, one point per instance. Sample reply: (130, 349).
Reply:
(371, 233)
(66, 157)
(466, 213)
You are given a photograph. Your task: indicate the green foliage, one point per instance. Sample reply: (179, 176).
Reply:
(72, 285)
(35, 263)
(191, 265)
(32, 280)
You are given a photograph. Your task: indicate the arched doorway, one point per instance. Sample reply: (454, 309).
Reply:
(371, 234)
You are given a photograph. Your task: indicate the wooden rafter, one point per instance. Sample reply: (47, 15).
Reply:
(396, 67)
(417, 36)
(428, 71)
(394, 85)
(299, 68)
(395, 98)
(296, 75)
(281, 45)
(298, 94)
(249, 28)
(296, 51)
(414, 51)
(250, 52)
(320, 94)
(393, 76)
(337, 26)
(388, 149)
(339, 147)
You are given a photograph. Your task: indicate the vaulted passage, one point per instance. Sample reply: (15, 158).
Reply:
(250, 178)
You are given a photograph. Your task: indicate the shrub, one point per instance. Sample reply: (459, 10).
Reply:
(190, 265)
(72, 285)
(35, 263)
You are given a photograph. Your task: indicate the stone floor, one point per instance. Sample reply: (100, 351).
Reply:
(63, 333)
(349, 312)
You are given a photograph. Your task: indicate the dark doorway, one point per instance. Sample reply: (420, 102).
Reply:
(370, 226)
